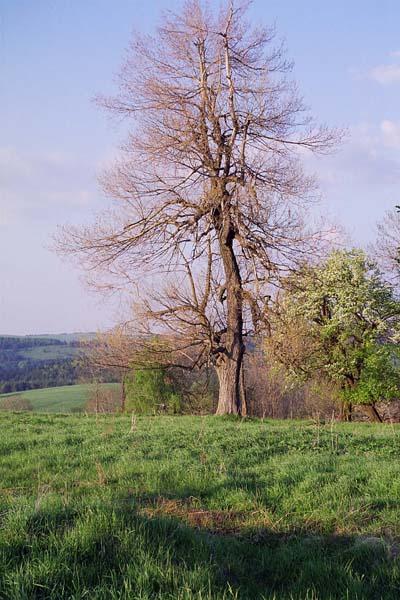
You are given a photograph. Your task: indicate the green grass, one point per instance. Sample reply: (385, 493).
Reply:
(58, 399)
(197, 508)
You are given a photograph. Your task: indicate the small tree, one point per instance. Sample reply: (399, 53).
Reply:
(103, 399)
(342, 320)
(111, 355)
(150, 391)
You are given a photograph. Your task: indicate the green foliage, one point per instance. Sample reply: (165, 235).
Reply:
(379, 376)
(150, 391)
(345, 320)
(199, 508)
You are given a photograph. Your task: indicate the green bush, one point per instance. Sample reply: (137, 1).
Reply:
(150, 391)
(379, 376)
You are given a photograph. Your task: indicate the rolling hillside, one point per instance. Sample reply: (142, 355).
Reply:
(68, 398)
(44, 361)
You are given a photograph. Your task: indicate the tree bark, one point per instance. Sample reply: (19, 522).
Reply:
(231, 398)
(371, 412)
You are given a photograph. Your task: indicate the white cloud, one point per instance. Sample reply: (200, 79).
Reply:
(388, 73)
(368, 160)
(391, 133)
(50, 187)
(362, 179)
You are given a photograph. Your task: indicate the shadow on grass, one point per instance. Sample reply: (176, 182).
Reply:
(116, 551)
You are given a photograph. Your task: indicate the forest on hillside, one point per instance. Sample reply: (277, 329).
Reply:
(39, 362)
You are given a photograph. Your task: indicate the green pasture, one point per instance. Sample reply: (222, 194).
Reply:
(182, 508)
(61, 399)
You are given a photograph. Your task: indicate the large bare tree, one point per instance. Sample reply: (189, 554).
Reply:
(210, 193)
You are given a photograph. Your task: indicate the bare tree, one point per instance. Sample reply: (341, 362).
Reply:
(112, 352)
(210, 194)
(102, 398)
(387, 246)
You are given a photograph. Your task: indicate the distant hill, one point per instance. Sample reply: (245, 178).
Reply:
(77, 336)
(42, 361)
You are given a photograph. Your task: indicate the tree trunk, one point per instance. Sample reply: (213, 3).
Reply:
(371, 412)
(231, 398)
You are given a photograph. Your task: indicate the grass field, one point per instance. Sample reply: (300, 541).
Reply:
(197, 508)
(58, 399)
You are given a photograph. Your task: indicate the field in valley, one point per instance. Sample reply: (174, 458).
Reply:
(197, 508)
(60, 399)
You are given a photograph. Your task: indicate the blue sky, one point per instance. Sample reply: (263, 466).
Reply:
(56, 55)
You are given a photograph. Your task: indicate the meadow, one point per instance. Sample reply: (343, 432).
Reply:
(114, 507)
(61, 399)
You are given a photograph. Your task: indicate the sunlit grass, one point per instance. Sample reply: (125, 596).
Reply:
(197, 507)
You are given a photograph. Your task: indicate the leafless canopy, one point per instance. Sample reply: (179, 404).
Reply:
(387, 247)
(209, 190)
